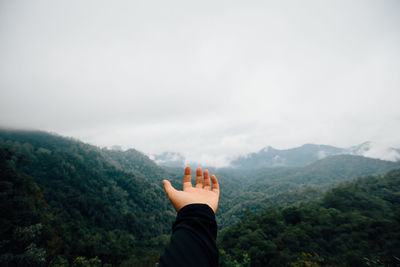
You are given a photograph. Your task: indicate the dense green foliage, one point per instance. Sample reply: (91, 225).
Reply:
(66, 203)
(27, 227)
(102, 210)
(134, 161)
(357, 224)
(252, 191)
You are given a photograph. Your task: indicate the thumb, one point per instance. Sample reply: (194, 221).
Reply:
(168, 188)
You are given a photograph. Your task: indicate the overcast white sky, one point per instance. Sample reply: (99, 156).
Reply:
(208, 79)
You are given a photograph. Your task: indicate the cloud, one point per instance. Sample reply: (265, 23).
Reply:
(382, 151)
(210, 80)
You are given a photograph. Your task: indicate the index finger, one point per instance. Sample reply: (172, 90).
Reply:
(187, 178)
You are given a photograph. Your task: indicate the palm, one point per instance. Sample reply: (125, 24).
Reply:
(202, 193)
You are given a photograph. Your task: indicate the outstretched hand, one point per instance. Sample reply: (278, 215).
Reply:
(202, 193)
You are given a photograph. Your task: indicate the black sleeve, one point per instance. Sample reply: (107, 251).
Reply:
(193, 238)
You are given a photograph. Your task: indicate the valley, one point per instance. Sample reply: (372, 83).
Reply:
(66, 201)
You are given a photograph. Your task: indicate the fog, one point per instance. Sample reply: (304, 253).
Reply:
(208, 79)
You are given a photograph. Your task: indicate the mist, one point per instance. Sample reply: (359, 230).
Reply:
(210, 80)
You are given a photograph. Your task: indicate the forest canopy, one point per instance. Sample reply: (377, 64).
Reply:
(67, 203)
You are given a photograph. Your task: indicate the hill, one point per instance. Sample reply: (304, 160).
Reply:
(85, 202)
(103, 210)
(356, 224)
(258, 189)
(137, 162)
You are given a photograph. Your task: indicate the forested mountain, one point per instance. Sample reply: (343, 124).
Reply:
(252, 191)
(102, 210)
(357, 224)
(64, 202)
(134, 161)
(258, 189)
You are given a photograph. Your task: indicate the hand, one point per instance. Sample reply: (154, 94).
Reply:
(194, 195)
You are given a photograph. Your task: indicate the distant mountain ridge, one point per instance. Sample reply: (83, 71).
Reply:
(270, 157)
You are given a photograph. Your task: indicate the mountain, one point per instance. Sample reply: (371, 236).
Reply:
(137, 162)
(271, 157)
(259, 189)
(356, 224)
(101, 209)
(301, 156)
(360, 149)
(67, 201)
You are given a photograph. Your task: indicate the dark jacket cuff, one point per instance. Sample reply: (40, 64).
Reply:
(200, 214)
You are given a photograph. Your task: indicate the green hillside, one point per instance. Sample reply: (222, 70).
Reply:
(67, 203)
(28, 230)
(357, 224)
(252, 191)
(103, 210)
(134, 161)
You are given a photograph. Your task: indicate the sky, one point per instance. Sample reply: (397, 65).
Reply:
(208, 79)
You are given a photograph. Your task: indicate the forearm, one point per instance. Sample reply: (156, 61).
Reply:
(193, 238)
